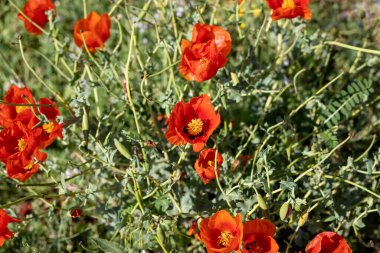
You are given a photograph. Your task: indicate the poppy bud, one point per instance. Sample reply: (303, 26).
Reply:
(284, 211)
(303, 219)
(261, 202)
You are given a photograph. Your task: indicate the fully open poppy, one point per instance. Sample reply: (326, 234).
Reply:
(258, 237)
(36, 10)
(19, 151)
(221, 232)
(5, 233)
(289, 9)
(328, 242)
(94, 30)
(192, 122)
(206, 53)
(205, 164)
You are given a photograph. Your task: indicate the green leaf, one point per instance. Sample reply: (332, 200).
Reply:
(108, 246)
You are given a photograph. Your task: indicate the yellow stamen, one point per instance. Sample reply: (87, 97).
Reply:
(195, 127)
(211, 164)
(224, 238)
(254, 248)
(21, 108)
(48, 127)
(21, 144)
(29, 166)
(204, 60)
(288, 4)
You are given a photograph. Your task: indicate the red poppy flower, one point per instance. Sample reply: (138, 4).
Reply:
(242, 160)
(289, 9)
(18, 150)
(205, 164)
(50, 130)
(221, 232)
(5, 233)
(76, 213)
(192, 122)
(193, 230)
(36, 10)
(9, 113)
(94, 29)
(328, 242)
(206, 53)
(258, 237)
(26, 209)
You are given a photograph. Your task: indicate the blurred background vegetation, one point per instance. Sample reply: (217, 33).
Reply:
(304, 109)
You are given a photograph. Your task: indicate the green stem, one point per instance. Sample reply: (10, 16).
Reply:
(364, 50)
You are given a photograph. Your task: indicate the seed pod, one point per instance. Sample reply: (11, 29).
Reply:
(284, 211)
(160, 234)
(261, 202)
(85, 120)
(123, 150)
(235, 79)
(303, 219)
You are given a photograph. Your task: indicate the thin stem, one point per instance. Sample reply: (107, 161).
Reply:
(364, 50)
(354, 184)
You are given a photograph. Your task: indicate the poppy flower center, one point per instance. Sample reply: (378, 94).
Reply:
(195, 127)
(211, 164)
(224, 238)
(203, 60)
(288, 4)
(254, 247)
(21, 144)
(48, 127)
(29, 166)
(21, 108)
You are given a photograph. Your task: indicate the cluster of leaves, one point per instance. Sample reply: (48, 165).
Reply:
(305, 110)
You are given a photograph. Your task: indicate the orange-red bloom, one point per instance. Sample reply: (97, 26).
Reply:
(26, 130)
(36, 10)
(50, 129)
(221, 232)
(289, 9)
(192, 122)
(205, 164)
(5, 233)
(206, 53)
(328, 242)
(16, 97)
(18, 150)
(258, 237)
(94, 29)
(242, 160)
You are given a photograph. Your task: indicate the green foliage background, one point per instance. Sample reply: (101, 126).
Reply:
(304, 107)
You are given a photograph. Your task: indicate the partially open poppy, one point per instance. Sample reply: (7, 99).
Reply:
(76, 213)
(328, 242)
(50, 129)
(289, 9)
(241, 161)
(5, 233)
(192, 122)
(94, 30)
(221, 232)
(15, 97)
(258, 237)
(36, 10)
(205, 164)
(206, 53)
